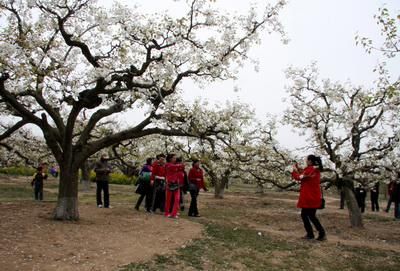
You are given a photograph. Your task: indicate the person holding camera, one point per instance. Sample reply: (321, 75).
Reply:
(310, 198)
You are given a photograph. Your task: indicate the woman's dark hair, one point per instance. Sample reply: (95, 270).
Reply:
(169, 156)
(149, 161)
(179, 160)
(316, 161)
(195, 161)
(158, 156)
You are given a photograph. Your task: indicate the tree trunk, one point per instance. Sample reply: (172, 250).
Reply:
(352, 205)
(220, 188)
(85, 178)
(259, 189)
(67, 205)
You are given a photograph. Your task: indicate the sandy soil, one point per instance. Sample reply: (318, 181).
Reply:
(103, 239)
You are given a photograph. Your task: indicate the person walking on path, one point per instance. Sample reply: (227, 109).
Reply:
(375, 197)
(157, 182)
(144, 188)
(173, 172)
(102, 170)
(196, 182)
(361, 193)
(391, 187)
(310, 198)
(37, 183)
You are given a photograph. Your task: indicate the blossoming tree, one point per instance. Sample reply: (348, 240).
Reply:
(61, 59)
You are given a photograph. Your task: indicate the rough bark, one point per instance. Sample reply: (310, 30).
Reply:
(259, 189)
(352, 205)
(85, 178)
(220, 188)
(67, 204)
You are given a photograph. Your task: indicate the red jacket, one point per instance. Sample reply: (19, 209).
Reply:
(196, 177)
(310, 189)
(157, 170)
(181, 175)
(173, 172)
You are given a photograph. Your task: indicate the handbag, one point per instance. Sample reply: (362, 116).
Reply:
(192, 187)
(322, 200)
(322, 204)
(173, 186)
(140, 189)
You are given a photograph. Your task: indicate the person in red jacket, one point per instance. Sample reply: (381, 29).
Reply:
(196, 182)
(310, 195)
(172, 175)
(157, 181)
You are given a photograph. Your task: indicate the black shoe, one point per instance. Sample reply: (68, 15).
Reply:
(308, 237)
(321, 237)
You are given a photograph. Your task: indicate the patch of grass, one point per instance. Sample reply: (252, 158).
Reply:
(378, 218)
(14, 193)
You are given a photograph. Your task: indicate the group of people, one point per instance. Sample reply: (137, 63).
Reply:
(164, 182)
(393, 197)
(161, 184)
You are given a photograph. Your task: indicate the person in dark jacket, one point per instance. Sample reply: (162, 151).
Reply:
(37, 183)
(391, 186)
(396, 199)
(375, 197)
(102, 170)
(310, 198)
(144, 188)
(360, 194)
(196, 182)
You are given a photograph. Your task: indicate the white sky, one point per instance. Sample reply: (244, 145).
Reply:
(319, 30)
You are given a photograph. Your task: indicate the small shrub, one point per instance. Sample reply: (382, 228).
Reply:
(116, 178)
(18, 171)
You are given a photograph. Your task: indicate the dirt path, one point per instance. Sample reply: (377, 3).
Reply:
(379, 236)
(103, 239)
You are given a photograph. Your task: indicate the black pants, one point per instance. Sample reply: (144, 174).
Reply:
(158, 198)
(38, 191)
(309, 216)
(193, 211)
(361, 203)
(397, 209)
(148, 194)
(390, 200)
(374, 202)
(103, 186)
(342, 199)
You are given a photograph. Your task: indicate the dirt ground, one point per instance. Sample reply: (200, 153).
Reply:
(103, 239)
(107, 239)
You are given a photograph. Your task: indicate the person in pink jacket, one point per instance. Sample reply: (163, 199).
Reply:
(310, 195)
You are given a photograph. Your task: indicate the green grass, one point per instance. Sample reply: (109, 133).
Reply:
(17, 193)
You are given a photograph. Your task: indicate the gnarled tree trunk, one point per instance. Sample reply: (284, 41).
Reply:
(220, 187)
(85, 178)
(352, 205)
(67, 204)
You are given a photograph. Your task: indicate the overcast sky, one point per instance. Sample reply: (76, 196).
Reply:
(319, 30)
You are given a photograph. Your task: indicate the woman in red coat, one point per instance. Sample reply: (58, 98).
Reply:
(310, 195)
(172, 176)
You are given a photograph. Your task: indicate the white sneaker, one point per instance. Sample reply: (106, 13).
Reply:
(99, 206)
